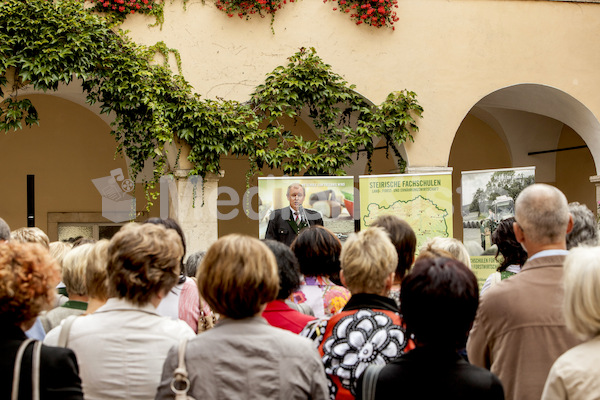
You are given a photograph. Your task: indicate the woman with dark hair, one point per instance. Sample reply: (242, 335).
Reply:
(438, 301)
(278, 313)
(405, 241)
(513, 254)
(28, 276)
(318, 252)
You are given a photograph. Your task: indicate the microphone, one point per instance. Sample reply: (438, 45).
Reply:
(303, 217)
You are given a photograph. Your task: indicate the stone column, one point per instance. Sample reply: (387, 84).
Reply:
(192, 202)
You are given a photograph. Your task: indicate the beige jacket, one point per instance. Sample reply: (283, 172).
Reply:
(520, 331)
(575, 375)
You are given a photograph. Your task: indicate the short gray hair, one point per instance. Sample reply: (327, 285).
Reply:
(585, 228)
(287, 193)
(4, 230)
(192, 262)
(542, 212)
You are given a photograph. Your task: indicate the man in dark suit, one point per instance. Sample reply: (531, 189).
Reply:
(285, 223)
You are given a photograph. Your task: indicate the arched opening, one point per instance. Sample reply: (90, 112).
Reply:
(529, 125)
(71, 146)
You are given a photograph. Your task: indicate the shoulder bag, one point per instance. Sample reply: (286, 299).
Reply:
(35, 370)
(180, 384)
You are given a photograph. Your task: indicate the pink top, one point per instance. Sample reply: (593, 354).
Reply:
(189, 304)
(322, 295)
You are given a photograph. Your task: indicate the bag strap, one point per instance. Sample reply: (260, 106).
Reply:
(370, 377)
(17, 369)
(65, 330)
(180, 375)
(35, 370)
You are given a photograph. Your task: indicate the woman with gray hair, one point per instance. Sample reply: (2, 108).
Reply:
(575, 374)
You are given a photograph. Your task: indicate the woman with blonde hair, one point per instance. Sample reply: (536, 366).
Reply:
(73, 276)
(575, 374)
(369, 330)
(441, 247)
(96, 275)
(243, 356)
(28, 276)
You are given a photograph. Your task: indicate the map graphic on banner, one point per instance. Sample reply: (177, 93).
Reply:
(424, 201)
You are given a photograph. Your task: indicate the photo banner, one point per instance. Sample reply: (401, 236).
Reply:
(488, 197)
(423, 200)
(332, 196)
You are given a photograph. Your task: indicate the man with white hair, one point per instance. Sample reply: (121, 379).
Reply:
(286, 223)
(519, 330)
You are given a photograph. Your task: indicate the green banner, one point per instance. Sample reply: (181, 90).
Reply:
(424, 201)
(483, 266)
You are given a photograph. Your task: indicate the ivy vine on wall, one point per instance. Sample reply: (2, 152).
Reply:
(45, 43)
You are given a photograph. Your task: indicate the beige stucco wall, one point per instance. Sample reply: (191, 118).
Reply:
(451, 53)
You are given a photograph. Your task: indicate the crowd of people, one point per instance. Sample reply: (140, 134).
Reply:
(301, 315)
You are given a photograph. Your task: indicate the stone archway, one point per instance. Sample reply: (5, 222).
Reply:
(523, 125)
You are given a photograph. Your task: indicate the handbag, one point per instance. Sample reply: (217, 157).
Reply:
(180, 384)
(35, 370)
(205, 322)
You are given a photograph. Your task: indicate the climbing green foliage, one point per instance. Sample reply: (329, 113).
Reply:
(45, 43)
(346, 122)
